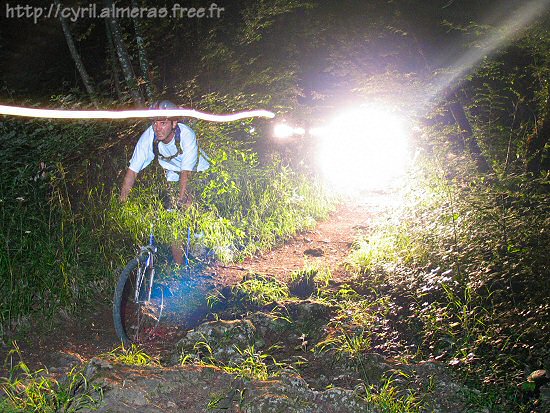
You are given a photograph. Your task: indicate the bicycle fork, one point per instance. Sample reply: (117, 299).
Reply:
(139, 297)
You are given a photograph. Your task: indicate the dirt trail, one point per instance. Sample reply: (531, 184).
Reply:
(325, 246)
(72, 340)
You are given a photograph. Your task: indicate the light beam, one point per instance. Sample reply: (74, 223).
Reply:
(510, 27)
(126, 114)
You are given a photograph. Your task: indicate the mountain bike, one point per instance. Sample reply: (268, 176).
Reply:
(136, 312)
(138, 303)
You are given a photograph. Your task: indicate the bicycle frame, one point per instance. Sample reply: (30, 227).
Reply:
(136, 308)
(149, 250)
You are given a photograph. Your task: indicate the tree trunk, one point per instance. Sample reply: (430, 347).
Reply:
(113, 60)
(86, 79)
(124, 58)
(142, 53)
(538, 140)
(467, 135)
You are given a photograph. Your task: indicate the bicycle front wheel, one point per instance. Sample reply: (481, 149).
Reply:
(135, 316)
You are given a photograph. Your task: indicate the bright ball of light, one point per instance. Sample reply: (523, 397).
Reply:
(282, 131)
(363, 149)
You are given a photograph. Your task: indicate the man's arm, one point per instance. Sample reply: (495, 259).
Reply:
(127, 184)
(184, 196)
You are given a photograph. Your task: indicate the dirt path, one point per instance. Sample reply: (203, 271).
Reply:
(325, 246)
(72, 340)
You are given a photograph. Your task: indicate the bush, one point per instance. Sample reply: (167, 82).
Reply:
(466, 259)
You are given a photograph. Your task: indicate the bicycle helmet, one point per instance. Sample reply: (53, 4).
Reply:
(163, 105)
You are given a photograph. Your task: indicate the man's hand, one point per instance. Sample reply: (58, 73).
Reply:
(127, 184)
(186, 201)
(184, 198)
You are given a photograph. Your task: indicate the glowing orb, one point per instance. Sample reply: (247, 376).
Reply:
(283, 130)
(363, 149)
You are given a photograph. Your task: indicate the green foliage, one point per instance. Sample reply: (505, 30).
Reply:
(312, 273)
(252, 366)
(347, 346)
(27, 391)
(390, 399)
(466, 258)
(302, 283)
(262, 290)
(378, 248)
(248, 363)
(52, 238)
(357, 325)
(133, 356)
(240, 206)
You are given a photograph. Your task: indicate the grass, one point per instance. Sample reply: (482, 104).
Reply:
(390, 399)
(248, 363)
(254, 211)
(262, 290)
(132, 356)
(311, 280)
(49, 252)
(461, 261)
(27, 391)
(347, 346)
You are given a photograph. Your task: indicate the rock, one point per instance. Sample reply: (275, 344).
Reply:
(218, 339)
(448, 395)
(314, 252)
(148, 389)
(538, 377)
(152, 389)
(269, 324)
(95, 366)
(292, 394)
(64, 361)
(308, 311)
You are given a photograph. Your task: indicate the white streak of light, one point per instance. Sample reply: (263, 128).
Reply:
(509, 28)
(125, 114)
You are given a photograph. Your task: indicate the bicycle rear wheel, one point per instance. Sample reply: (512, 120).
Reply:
(136, 321)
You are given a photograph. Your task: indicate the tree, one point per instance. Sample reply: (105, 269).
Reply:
(142, 54)
(86, 79)
(537, 141)
(467, 135)
(124, 57)
(537, 42)
(112, 60)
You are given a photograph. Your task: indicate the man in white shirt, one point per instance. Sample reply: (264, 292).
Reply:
(175, 146)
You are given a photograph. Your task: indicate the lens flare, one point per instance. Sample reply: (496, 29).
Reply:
(283, 131)
(125, 114)
(363, 149)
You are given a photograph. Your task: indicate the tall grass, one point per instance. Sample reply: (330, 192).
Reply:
(466, 259)
(260, 208)
(27, 391)
(51, 257)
